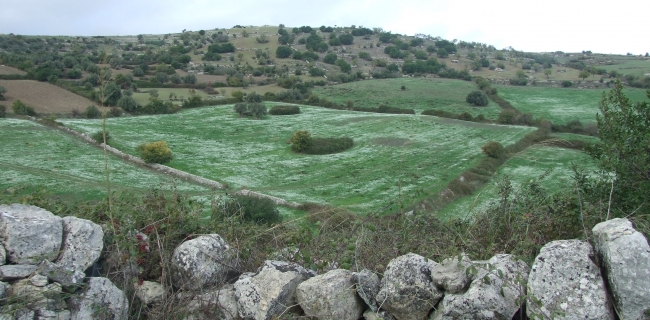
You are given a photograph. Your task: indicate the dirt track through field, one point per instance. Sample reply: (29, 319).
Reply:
(43, 97)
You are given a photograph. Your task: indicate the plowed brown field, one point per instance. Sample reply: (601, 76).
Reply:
(45, 98)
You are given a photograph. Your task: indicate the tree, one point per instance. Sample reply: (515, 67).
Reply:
(477, 98)
(493, 149)
(127, 103)
(507, 117)
(175, 78)
(330, 58)
(251, 109)
(623, 150)
(263, 38)
(345, 67)
(189, 79)
(346, 39)
(283, 52)
(22, 109)
(300, 141)
(155, 152)
(548, 72)
(3, 90)
(3, 111)
(92, 112)
(584, 74)
(442, 53)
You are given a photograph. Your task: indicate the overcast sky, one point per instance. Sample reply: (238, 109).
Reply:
(544, 25)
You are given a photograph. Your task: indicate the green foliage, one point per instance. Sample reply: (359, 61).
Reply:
(238, 95)
(300, 141)
(221, 48)
(624, 150)
(99, 137)
(329, 145)
(316, 72)
(507, 116)
(477, 98)
(250, 109)
(92, 112)
(493, 149)
(253, 209)
(330, 58)
(442, 53)
(194, 101)
(253, 97)
(345, 67)
(346, 39)
(128, 104)
(567, 83)
(283, 52)
(284, 110)
(22, 109)
(155, 152)
(519, 81)
(3, 111)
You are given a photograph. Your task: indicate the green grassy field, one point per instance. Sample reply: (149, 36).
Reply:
(420, 153)
(35, 157)
(633, 66)
(561, 105)
(420, 94)
(142, 97)
(524, 167)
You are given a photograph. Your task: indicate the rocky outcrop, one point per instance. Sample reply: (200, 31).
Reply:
(101, 298)
(493, 293)
(83, 242)
(201, 262)
(330, 296)
(272, 291)
(407, 291)
(624, 255)
(567, 283)
(30, 234)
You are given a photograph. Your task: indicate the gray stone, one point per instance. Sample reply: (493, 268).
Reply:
(3, 289)
(60, 274)
(565, 280)
(52, 315)
(14, 272)
(272, 291)
(83, 242)
(34, 298)
(217, 304)
(200, 262)
(24, 314)
(330, 296)
(624, 255)
(493, 293)
(101, 297)
(377, 315)
(30, 234)
(149, 292)
(407, 291)
(3, 255)
(38, 280)
(451, 276)
(367, 284)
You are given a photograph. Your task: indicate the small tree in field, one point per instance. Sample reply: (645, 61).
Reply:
(300, 141)
(477, 98)
(155, 152)
(584, 74)
(493, 149)
(548, 72)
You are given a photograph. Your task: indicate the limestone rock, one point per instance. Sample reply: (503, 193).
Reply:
(200, 262)
(64, 276)
(3, 289)
(367, 284)
(52, 315)
(565, 279)
(491, 295)
(407, 291)
(3, 255)
(330, 296)
(38, 280)
(14, 272)
(377, 315)
(83, 241)
(37, 298)
(451, 275)
(271, 291)
(30, 234)
(100, 297)
(149, 292)
(625, 257)
(217, 304)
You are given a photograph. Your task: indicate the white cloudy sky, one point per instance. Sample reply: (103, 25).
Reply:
(545, 25)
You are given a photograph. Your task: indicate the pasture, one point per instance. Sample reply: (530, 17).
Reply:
(35, 157)
(408, 153)
(420, 94)
(553, 163)
(561, 105)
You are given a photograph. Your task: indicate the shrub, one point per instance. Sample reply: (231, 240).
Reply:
(477, 98)
(329, 145)
(92, 112)
(3, 111)
(115, 112)
(99, 137)
(155, 152)
(567, 83)
(465, 116)
(254, 209)
(251, 109)
(493, 149)
(519, 81)
(22, 109)
(284, 110)
(300, 141)
(507, 117)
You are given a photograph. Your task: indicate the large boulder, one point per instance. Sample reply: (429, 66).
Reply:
(330, 296)
(83, 242)
(367, 284)
(407, 291)
(270, 292)
(498, 284)
(451, 274)
(30, 234)
(624, 255)
(101, 297)
(201, 262)
(567, 283)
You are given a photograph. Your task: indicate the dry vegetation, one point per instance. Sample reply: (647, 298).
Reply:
(44, 97)
(11, 70)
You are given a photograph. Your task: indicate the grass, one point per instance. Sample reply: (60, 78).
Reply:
(214, 143)
(560, 105)
(142, 97)
(552, 162)
(35, 157)
(420, 94)
(634, 66)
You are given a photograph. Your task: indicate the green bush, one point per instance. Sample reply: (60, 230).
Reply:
(3, 111)
(92, 112)
(99, 137)
(493, 149)
(329, 145)
(519, 81)
(477, 98)
(507, 117)
(258, 210)
(251, 109)
(567, 83)
(284, 110)
(22, 109)
(155, 152)
(300, 141)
